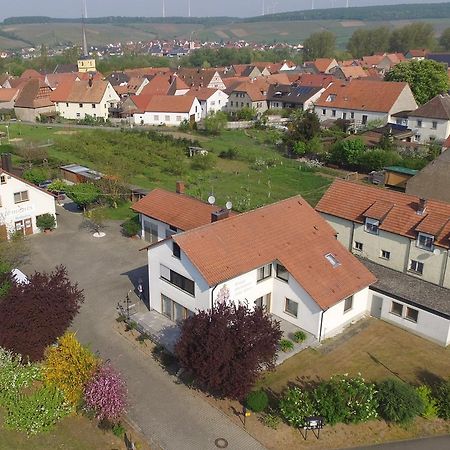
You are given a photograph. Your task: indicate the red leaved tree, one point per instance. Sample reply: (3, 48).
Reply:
(227, 347)
(34, 315)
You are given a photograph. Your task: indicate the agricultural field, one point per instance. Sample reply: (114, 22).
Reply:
(255, 174)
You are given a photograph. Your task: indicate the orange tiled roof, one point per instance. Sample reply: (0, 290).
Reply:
(290, 232)
(354, 72)
(8, 94)
(178, 210)
(81, 91)
(322, 64)
(396, 211)
(363, 95)
(158, 85)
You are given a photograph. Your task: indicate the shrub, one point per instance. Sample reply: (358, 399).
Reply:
(271, 419)
(118, 430)
(443, 399)
(69, 366)
(36, 175)
(257, 401)
(295, 406)
(83, 194)
(286, 345)
(299, 336)
(430, 405)
(231, 153)
(299, 148)
(46, 221)
(106, 394)
(203, 162)
(398, 402)
(57, 186)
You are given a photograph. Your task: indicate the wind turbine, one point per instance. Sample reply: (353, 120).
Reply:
(312, 4)
(164, 8)
(189, 8)
(263, 7)
(348, 1)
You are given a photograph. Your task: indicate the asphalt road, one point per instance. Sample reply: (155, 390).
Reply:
(435, 443)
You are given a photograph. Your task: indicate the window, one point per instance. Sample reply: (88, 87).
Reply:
(20, 197)
(419, 124)
(172, 228)
(178, 280)
(416, 266)
(231, 103)
(371, 225)
(344, 115)
(417, 137)
(352, 115)
(333, 113)
(167, 118)
(358, 246)
(364, 119)
(425, 241)
(282, 273)
(67, 105)
(2, 179)
(434, 125)
(331, 98)
(324, 111)
(332, 260)
(385, 254)
(93, 106)
(156, 118)
(78, 115)
(80, 105)
(397, 309)
(412, 314)
(291, 307)
(264, 272)
(176, 250)
(348, 303)
(179, 119)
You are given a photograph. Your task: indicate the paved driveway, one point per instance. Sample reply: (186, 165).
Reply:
(169, 415)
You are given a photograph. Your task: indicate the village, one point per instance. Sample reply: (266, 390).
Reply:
(226, 256)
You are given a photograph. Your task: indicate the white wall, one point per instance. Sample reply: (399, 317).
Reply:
(217, 102)
(429, 326)
(358, 115)
(163, 228)
(426, 132)
(39, 203)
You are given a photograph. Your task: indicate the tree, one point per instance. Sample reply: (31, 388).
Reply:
(320, 45)
(414, 35)
(106, 394)
(427, 78)
(444, 40)
(364, 42)
(36, 175)
(226, 347)
(83, 194)
(69, 366)
(348, 152)
(303, 126)
(215, 122)
(34, 315)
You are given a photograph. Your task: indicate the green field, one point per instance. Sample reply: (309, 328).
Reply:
(259, 173)
(53, 34)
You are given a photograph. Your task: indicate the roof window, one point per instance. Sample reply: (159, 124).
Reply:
(332, 260)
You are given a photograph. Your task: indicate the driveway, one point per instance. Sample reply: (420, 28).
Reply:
(169, 415)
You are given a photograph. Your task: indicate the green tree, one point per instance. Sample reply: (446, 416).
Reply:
(83, 194)
(365, 42)
(214, 123)
(304, 126)
(426, 78)
(444, 40)
(414, 35)
(347, 153)
(320, 45)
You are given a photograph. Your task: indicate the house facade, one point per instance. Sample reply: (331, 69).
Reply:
(319, 287)
(211, 100)
(292, 96)
(249, 94)
(20, 204)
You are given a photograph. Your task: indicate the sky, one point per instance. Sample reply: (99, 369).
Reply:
(153, 8)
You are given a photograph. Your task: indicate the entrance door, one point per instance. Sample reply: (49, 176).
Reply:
(3, 233)
(377, 303)
(28, 224)
(166, 306)
(18, 226)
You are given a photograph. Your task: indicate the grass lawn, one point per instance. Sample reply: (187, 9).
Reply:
(122, 212)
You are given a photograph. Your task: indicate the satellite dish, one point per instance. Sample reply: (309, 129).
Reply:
(211, 199)
(436, 251)
(228, 205)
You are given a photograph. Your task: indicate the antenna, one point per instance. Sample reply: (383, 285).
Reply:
(211, 199)
(228, 205)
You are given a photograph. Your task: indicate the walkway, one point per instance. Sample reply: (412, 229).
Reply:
(169, 414)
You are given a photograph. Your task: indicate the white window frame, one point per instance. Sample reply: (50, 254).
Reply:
(24, 197)
(372, 226)
(385, 254)
(428, 238)
(348, 304)
(415, 265)
(358, 246)
(415, 317)
(399, 314)
(286, 310)
(264, 272)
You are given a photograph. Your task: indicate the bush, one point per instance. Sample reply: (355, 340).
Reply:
(398, 402)
(57, 186)
(203, 162)
(131, 227)
(286, 345)
(118, 430)
(83, 194)
(295, 406)
(430, 405)
(443, 400)
(257, 401)
(36, 175)
(231, 153)
(46, 221)
(299, 336)
(214, 123)
(271, 419)
(299, 148)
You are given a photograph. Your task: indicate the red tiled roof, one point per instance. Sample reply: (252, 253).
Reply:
(34, 94)
(146, 71)
(363, 95)
(290, 232)
(322, 64)
(158, 85)
(178, 210)
(311, 79)
(170, 103)
(8, 94)
(354, 72)
(202, 93)
(80, 91)
(396, 211)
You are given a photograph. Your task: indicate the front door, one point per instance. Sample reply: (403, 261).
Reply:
(18, 226)
(377, 303)
(28, 225)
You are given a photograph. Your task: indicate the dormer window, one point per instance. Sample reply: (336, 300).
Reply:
(372, 225)
(332, 260)
(331, 98)
(425, 241)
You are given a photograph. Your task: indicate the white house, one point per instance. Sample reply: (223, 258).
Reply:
(20, 204)
(169, 110)
(283, 257)
(78, 99)
(211, 100)
(362, 101)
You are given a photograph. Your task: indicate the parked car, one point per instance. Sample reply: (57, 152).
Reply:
(45, 184)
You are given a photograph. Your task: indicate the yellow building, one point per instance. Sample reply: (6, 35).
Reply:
(86, 64)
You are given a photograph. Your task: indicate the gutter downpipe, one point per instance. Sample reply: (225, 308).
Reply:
(212, 296)
(320, 327)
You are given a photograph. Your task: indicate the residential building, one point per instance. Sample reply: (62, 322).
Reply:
(292, 96)
(169, 110)
(20, 204)
(362, 101)
(283, 257)
(77, 100)
(34, 101)
(209, 78)
(322, 65)
(248, 94)
(403, 232)
(417, 54)
(211, 100)
(349, 73)
(7, 98)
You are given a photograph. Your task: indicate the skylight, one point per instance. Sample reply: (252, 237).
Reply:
(332, 260)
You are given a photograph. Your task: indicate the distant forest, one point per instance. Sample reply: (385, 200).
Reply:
(366, 13)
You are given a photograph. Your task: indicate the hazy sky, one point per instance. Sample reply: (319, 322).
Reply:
(153, 8)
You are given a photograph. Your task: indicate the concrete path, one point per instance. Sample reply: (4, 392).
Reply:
(169, 414)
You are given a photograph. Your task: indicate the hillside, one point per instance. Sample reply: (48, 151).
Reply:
(291, 27)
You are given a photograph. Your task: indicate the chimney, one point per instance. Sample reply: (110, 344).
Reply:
(7, 162)
(421, 207)
(91, 80)
(219, 215)
(180, 187)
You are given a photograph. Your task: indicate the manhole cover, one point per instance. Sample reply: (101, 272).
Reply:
(221, 443)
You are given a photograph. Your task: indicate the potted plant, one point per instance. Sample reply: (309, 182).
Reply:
(46, 222)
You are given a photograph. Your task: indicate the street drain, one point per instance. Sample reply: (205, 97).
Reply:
(221, 443)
